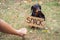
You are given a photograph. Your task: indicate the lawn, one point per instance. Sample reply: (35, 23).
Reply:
(15, 14)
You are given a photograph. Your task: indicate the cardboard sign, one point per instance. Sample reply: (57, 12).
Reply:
(35, 21)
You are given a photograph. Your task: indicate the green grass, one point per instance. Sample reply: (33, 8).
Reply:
(15, 14)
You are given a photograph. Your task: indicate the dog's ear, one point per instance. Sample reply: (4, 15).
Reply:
(32, 8)
(40, 7)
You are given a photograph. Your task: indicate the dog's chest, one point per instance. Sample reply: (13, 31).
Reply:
(36, 14)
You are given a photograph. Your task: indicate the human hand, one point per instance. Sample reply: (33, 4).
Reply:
(22, 32)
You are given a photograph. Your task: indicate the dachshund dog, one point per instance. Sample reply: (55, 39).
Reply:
(36, 11)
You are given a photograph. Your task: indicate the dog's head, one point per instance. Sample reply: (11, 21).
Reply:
(36, 8)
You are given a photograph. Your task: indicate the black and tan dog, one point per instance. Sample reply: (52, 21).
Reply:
(36, 12)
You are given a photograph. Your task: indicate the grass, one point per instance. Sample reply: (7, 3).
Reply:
(15, 13)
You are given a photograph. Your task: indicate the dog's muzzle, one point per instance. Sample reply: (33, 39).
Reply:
(38, 9)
